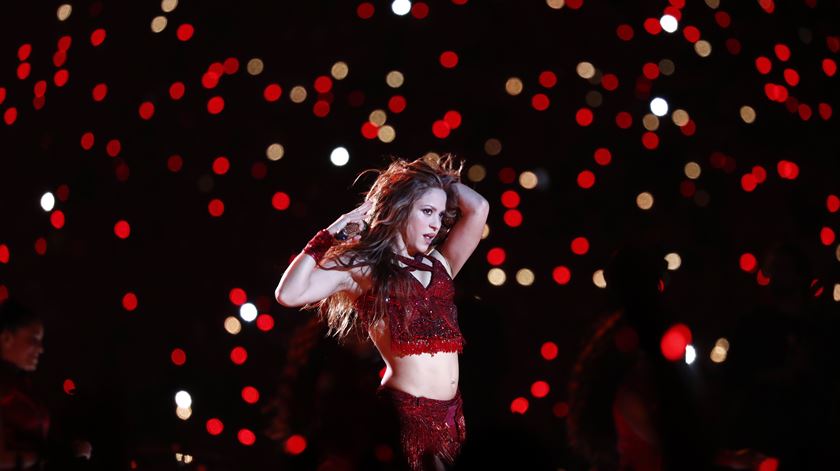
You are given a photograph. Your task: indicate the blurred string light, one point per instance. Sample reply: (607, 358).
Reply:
(669, 23)
(232, 325)
(692, 170)
(528, 180)
(837, 291)
(720, 350)
(297, 94)
(183, 399)
(644, 200)
(598, 279)
(339, 156)
(183, 413)
(492, 146)
(514, 86)
(248, 312)
(47, 201)
(255, 66)
(168, 5)
(703, 48)
(690, 354)
(496, 276)
(159, 24)
(64, 11)
(659, 106)
(556, 4)
(585, 70)
(748, 114)
(401, 7)
(378, 117)
(183, 458)
(275, 151)
(395, 79)
(476, 173)
(340, 70)
(525, 277)
(674, 261)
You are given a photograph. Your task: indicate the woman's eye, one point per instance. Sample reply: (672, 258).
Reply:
(427, 211)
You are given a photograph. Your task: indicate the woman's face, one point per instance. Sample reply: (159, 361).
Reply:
(424, 221)
(23, 346)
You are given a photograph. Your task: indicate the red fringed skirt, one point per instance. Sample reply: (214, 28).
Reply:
(429, 428)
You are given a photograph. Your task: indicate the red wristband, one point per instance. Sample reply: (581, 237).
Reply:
(318, 246)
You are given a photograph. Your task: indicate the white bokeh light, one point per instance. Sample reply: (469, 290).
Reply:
(401, 7)
(183, 399)
(668, 23)
(48, 201)
(659, 106)
(248, 312)
(339, 156)
(690, 354)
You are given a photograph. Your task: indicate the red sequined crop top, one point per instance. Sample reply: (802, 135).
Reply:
(426, 322)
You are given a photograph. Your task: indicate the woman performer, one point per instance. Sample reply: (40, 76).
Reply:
(394, 280)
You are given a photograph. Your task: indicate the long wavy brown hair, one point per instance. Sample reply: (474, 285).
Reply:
(393, 194)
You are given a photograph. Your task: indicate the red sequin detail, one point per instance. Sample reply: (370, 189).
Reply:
(427, 322)
(318, 246)
(428, 427)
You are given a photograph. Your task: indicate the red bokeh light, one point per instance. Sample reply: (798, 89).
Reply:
(762, 279)
(767, 5)
(652, 26)
(827, 236)
(146, 110)
(246, 437)
(733, 46)
(510, 199)
(769, 464)
(763, 65)
(250, 394)
(574, 4)
(689, 129)
(87, 140)
(624, 120)
(548, 79)
(323, 84)
(787, 170)
(23, 51)
(496, 256)
(748, 262)
(540, 102)
(97, 37)
(507, 175)
(829, 67)
(295, 445)
(280, 201)
(560, 410)
(397, 104)
(561, 275)
(238, 355)
(113, 147)
(674, 341)
(62, 192)
(448, 59)
(210, 79)
(174, 163)
(178, 357)
(39, 89)
(440, 129)
(10, 115)
(832, 203)
(238, 296)
(584, 117)
(4, 253)
(759, 173)
(216, 207)
(586, 179)
(365, 10)
(624, 32)
(265, 322)
(272, 92)
(691, 34)
(540, 389)
(513, 218)
(420, 10)
(231, 65)
(804, 111)
(99, 92)
(215, 427)
(122, 229)
(23, 70)
(370, 130)
(723, 19)
(453, 119)
(650, 71)
(749, 182)
(185, 32)
(519, 405)
(791, 77)
(221, 165)
(650, 140)
(782, 52)
(549, 350)
(57, 219)
(609, 82)
(61, 77)
(69, 387)
(580, 245)
(41, 246)
(215, 105)
(64, 43)
(129, 301)
(603, 156)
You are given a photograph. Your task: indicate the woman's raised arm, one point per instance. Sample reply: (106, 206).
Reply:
(304, 282)
(464, 237)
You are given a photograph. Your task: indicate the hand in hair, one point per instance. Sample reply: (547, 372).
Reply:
(356, 216)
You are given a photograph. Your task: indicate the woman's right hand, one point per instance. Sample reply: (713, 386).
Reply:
(357, 216)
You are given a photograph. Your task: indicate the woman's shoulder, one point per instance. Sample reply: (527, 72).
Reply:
(443, 261)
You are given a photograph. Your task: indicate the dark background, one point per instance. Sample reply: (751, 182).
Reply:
(182, 263)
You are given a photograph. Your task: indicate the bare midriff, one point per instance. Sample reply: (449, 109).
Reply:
(434, 376)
